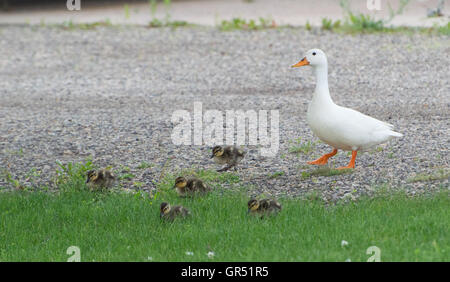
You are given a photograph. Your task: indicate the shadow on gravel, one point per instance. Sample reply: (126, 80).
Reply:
(325, 171)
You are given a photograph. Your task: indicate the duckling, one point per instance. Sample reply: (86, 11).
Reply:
(170, 213)
(188, 187)
(229, 155)
(102, 178)
(263, 207)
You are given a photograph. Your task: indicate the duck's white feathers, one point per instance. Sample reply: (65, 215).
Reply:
(347, 129)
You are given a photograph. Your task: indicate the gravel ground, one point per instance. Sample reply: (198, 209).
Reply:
(110, 93)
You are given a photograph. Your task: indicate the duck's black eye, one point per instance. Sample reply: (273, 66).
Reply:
(314, 53)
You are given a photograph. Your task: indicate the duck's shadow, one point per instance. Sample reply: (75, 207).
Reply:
(325, 171)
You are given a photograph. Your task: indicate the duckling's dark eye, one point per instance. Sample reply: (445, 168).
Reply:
(314, 53)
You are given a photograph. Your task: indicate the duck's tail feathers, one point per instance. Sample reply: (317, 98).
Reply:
(395, 134)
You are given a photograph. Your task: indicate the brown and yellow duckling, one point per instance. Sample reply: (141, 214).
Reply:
(170, 213)
(190, 186)
(229, 155)
(263, 207)
(102, 178)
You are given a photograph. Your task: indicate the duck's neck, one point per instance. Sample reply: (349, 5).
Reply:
(322, 93)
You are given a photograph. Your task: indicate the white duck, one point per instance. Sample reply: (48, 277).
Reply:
(340, 127)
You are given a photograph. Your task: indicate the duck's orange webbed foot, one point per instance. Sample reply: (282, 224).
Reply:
(351, 164)
(323, 160)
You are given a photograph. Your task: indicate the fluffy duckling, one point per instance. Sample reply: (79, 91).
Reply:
(263, 207)
(229, 155)
(190, 186)
(170, 213)
(102, 178)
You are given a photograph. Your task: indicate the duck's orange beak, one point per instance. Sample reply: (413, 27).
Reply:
(303, 62)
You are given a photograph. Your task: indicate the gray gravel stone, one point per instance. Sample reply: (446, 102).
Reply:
(110, 93)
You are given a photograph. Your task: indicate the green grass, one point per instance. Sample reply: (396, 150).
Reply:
(243, 24)
(172, 24)
(144, 165)
(301, 147)
(11, 180)
(111, 226)
(444, 29)
(126, 9)
(328, 24)
(166, 22)
(358, 24)
(69, 25)
(363, 23)
(126, 176)
(437, 175)
(308, 26)
(276, 174)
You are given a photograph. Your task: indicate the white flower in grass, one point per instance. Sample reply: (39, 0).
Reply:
(211, 255)
(189, 253)
(150, 258)
(344, 243)
(348, 260)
